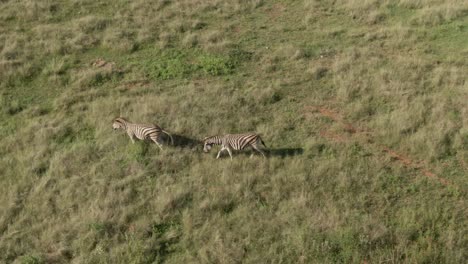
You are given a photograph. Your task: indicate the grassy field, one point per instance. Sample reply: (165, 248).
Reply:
(362, 104)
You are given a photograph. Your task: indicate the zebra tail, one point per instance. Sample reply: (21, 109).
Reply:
(263, 142)
(165, 132)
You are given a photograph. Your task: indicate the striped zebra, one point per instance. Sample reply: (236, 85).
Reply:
(234, 141)
(141, 131)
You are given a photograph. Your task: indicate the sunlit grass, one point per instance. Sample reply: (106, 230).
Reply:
(362, 105)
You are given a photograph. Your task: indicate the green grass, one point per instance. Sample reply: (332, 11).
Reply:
(330, 87)
(178, 64)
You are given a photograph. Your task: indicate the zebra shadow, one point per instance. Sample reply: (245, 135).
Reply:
(186, 142)
(279, 152)
(284, 152)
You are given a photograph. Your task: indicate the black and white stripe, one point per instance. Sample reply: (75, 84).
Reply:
(231, 142)
(141, 131)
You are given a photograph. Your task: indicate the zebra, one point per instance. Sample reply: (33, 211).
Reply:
(141, 131)
(234, 141)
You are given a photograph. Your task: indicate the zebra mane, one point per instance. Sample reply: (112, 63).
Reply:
(120, 119)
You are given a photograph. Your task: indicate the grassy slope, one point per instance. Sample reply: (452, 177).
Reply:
(298, 72)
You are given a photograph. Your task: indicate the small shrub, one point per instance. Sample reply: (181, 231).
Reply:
(318, 72)
(237, 56)
(14, 107)
(214, 65)
(173, 68)
(56, 66)
(169, 65)
(40, 169)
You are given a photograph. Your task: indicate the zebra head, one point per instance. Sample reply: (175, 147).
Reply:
(119, 122)
(208, 142)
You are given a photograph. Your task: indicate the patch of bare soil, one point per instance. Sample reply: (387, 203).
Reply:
(350, 130)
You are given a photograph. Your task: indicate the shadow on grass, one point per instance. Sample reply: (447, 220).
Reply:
(280, 152)
(186, 142)
(284, 152)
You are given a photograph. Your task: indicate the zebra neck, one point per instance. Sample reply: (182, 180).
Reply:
(125, 124)
(217, 140)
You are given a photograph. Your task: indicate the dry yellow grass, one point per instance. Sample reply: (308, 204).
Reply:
(362, 104)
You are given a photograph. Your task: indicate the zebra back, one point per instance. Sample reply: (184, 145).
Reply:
(141, 131)
(240, 141)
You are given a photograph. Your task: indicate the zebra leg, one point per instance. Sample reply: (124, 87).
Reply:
(159, 145)
(130, 134)
(229, 151)
(251, 155)
(219, 153)
(155, 140)
(259, 150)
